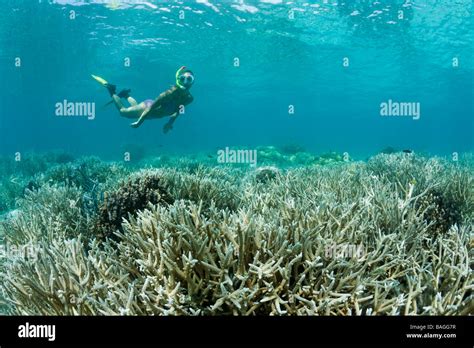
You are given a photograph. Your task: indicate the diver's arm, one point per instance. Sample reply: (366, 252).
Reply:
(141, 118)
(169, 125)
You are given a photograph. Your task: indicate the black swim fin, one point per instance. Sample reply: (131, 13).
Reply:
(111, 88)
(124, 93)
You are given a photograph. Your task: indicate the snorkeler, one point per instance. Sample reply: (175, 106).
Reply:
(169, 103)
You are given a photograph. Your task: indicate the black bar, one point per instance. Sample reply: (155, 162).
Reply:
(243, 331)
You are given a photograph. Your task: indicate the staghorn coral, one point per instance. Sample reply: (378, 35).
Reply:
(59, 206)
(291, 155)
(10, 188)
(86, 173)
(33, 171)
(329, 158)
(274, 254)
(205, 185)
(447, 187)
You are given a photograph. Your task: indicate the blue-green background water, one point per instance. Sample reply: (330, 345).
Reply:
(283, 61)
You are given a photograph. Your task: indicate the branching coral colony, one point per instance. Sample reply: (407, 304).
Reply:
(390, 236)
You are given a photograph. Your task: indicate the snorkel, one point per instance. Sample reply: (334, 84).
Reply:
(179, 73)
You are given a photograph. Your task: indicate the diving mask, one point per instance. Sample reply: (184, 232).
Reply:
(184, 78)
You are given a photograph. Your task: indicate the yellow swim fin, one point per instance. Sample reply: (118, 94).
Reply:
(99, 79)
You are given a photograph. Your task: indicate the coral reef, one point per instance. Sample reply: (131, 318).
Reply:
(329, 158)
(131, 195)
(204, 185)
(87, 173)
(445, 186)
(392, 236)
(281, 157)
(293, 155)
(34, 171)
(9, 190)
(59, 206)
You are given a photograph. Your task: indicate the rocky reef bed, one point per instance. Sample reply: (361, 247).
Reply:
(299, 235)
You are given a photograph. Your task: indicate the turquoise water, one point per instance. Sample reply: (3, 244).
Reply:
(290, 54)
(309, 94)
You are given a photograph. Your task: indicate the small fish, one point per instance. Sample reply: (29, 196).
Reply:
(407, 151)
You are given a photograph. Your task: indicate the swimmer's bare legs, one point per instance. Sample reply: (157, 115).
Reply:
(132, 101)
(133, 111)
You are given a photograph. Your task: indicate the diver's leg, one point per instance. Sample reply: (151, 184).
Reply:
(125, 94)
(132, 111)
(117, 102)
(132, 101)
